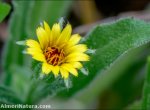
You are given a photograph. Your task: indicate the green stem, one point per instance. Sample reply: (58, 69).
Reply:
(146, 89)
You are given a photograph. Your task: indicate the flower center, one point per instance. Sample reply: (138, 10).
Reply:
(54, 56)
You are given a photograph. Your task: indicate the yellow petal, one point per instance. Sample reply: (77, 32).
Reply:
(55, 70)
(33, 51)
(77, 48)
(65, 35)
(46, 68)
(77, 65)
(74, 39)
(32, 43)
(47, 28)
(64, 73)
(70, 68)
(39, 57)
(55, 32)
(42, 37)
(77, 57)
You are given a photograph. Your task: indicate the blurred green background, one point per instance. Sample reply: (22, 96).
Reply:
(121, 89)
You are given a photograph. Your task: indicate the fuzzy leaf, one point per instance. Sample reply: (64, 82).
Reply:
(112, 42)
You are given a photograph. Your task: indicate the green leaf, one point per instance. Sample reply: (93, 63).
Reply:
(7, 96)
(135, 106)
(49, 86)
(116, 44)
(4, 10)
(21, 81)
(146, 89)
(128, 87)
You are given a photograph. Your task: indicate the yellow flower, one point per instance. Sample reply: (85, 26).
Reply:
(58, 50)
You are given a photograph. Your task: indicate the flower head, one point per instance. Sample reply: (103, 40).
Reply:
(58, 50)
